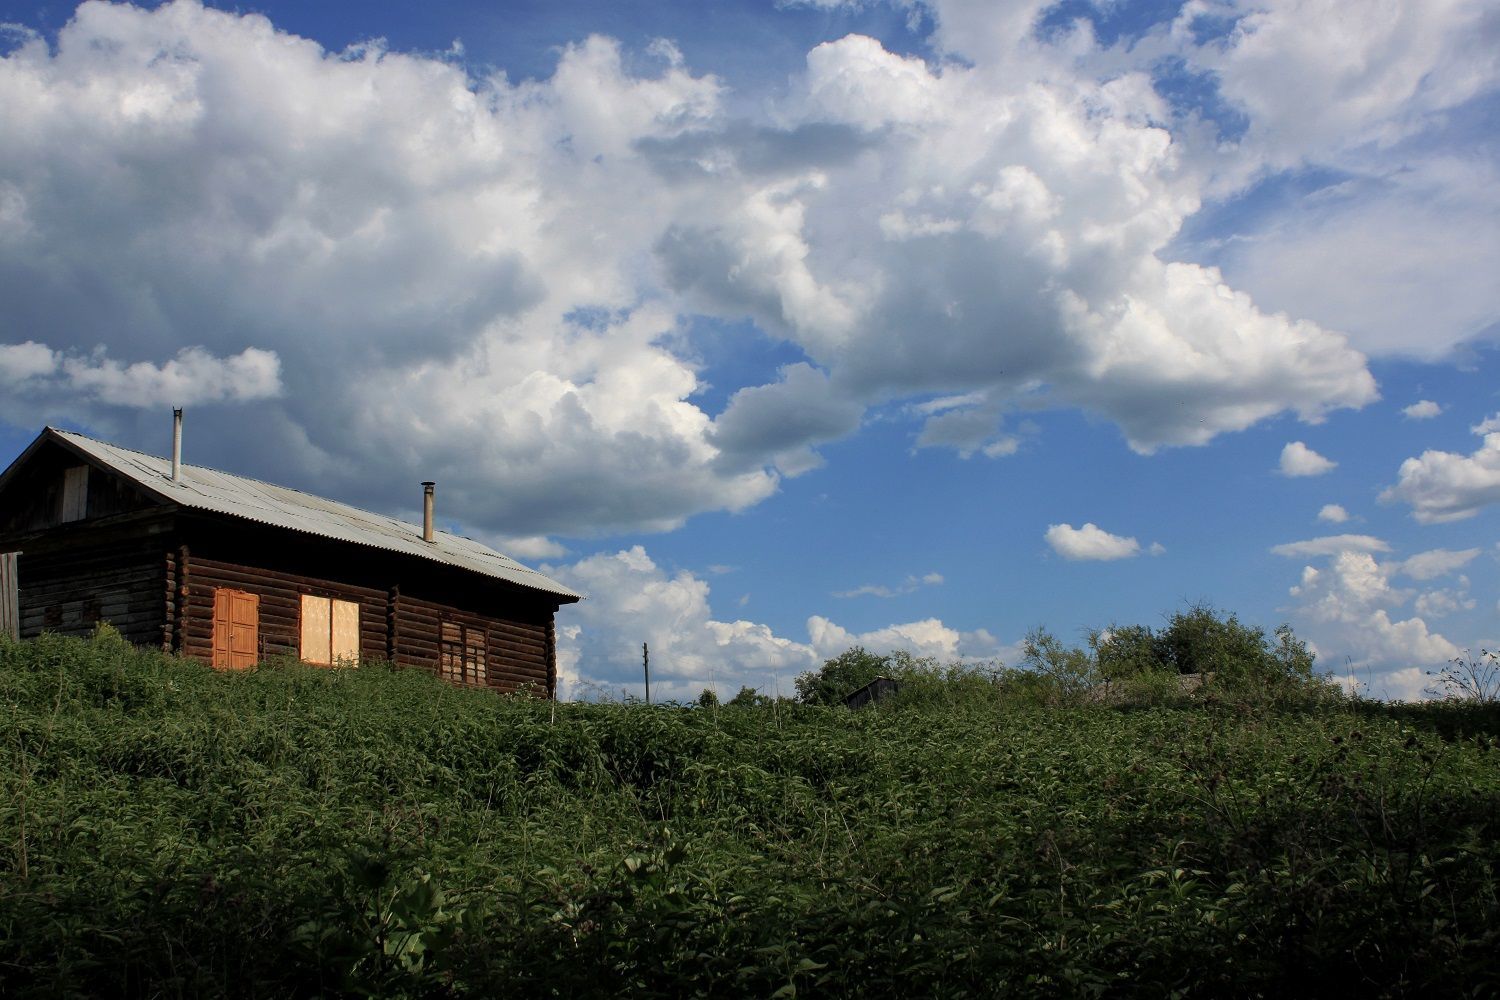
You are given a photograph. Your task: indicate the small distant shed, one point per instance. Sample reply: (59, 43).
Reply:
(879, 689)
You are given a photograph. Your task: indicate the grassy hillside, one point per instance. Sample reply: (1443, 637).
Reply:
(291, 831)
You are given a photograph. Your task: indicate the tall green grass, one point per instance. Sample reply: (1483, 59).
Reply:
(166, 830)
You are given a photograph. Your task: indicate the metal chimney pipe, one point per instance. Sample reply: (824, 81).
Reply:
(427, 511)
(177, 444)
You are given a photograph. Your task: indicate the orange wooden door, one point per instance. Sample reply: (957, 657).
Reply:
(236, 629)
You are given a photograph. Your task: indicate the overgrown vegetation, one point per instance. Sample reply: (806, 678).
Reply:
(1223, 659)
(166, 830)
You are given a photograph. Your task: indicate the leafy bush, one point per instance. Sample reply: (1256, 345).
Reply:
(1123, 652)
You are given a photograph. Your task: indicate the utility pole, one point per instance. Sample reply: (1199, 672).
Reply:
(646, 664)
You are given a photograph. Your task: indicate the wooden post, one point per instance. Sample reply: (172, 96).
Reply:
(392, 622)
(10, 595)
(183, 589)
(646, 663)
(551, 640)
(169, 601)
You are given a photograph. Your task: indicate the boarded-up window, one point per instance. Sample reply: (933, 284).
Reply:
(330, 630)
(463, 654)
(75, 494)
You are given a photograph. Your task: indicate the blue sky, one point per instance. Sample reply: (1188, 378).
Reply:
(777, 328)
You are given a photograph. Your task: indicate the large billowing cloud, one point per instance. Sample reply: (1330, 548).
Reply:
(401, 267)
(1382, 166)
(1000, 240)
(452, 273)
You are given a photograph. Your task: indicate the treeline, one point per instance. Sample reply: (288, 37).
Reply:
(290, 831)
(1200, 654)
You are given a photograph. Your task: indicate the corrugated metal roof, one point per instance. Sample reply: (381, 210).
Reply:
(206, 489)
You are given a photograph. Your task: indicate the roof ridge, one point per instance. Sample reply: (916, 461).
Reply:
(234, 495)
(261, 482)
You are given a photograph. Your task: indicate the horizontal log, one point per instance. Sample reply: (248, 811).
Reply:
(91, 581)
(203, 598)
(79, 598)
(93, 550)
(280, 590)
(527, 648)
(208, 584)
(89, 576)
(292, 581)
(492, 626)
(512, 671)
(38, 623)
(418, 635)
(525, 633)
(434, 615)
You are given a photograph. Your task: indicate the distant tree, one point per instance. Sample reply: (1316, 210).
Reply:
(1199, 640)
(840, 676)
(747, 697)
(1123, 652)
(1067, 670)
(1291, 658)
(1202, 640)
(708, 699)
(852, 669)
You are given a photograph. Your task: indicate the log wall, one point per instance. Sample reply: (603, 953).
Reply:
(280, 628)
(406, 630)
(517, 652)
(70, 591)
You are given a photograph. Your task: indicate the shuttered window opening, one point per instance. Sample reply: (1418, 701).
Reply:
(330, 631)
(75, 494)
(463, 654)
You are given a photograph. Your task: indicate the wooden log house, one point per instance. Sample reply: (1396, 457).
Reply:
(229, 570)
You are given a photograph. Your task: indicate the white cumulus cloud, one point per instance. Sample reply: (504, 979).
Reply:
(38, 375)
(926, 638)
(1348, 608)
(1424, 409)
(1443, 486)
(1297, 459)
(1090, 542)
(1333, 513)
(910, 584)
(1329, 545)
(1436, 562)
